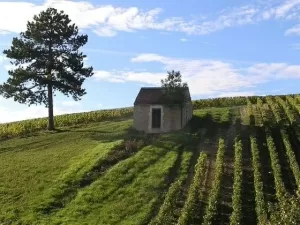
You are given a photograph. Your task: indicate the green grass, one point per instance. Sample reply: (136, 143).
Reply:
(109, 200)
(29, 166)
(107, 173)
(167, 211)
(69, 181)
(40, 175)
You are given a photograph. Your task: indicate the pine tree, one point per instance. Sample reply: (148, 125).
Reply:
(46, 58)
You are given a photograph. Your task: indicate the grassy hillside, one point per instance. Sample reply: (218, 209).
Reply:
(237, 162)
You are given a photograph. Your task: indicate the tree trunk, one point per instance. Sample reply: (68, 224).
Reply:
(50, 108)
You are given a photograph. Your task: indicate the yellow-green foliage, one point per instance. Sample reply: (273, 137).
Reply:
(291, 157)
(260, 203)
(213, 198)
(167, 211)
(189, 206)
(279, 186)
(29, 126)
(236, 215)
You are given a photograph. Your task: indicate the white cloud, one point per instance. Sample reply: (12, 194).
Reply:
(287, 10)
(105, 31)
(107, 20)
(275, 70)
(104, 20)
(122, 76)
(148, 58)
(206, 77)
(183, 39)
(229, 18)
(109, 76)
(294, 30)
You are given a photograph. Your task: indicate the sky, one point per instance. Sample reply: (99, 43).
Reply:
(229, 48)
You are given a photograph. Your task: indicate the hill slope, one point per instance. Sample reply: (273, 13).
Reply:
(225, 166)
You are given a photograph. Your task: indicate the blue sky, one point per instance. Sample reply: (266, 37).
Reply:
(226, 49)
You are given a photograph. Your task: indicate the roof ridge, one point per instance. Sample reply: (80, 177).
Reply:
(158, 87)
(151, 95)
(151, 87)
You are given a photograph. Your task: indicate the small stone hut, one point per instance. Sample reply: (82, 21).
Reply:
(152, 113)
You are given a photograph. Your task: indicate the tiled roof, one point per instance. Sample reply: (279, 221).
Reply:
(150, 95)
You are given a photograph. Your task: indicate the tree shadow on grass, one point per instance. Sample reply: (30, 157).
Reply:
(70, 193)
